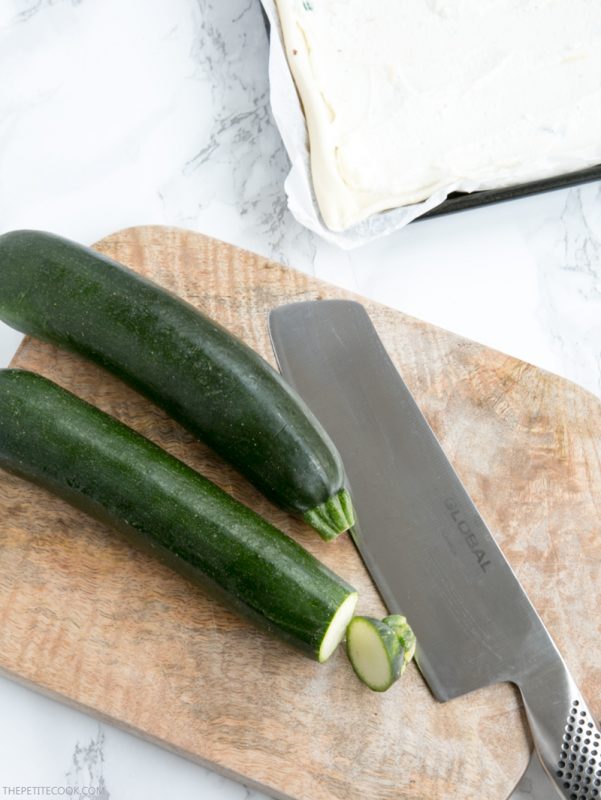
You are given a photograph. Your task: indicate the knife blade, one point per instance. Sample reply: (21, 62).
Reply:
(426, 546)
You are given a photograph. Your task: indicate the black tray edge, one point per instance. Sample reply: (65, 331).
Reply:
(462, 201)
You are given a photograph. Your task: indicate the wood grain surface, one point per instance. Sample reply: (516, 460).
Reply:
(85, 618)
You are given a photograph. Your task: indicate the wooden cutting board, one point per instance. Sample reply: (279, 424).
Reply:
(86, 619)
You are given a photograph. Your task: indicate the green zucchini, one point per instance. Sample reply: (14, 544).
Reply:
(53, 438)
(204, 377)
(378, 650)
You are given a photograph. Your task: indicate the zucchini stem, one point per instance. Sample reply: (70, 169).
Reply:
(404, 634)
(332, 517)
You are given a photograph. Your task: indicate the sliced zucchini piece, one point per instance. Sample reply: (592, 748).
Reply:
(378, 650)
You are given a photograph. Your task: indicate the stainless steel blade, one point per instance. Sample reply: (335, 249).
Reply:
(424, 543)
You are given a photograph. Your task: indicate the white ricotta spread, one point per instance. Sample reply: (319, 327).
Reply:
(405, 97)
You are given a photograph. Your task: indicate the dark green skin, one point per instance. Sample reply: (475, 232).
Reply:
(96, 463)
(205, 378)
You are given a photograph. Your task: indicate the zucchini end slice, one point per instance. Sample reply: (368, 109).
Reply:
(379, 651)
(332, 517)
(337, 627)
(372, 653)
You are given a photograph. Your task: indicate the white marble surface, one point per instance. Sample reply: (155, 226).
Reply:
(123, 112)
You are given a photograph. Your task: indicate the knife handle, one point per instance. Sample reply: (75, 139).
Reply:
(565, 733)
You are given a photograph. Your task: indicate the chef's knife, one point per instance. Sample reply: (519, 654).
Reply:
(423, 541)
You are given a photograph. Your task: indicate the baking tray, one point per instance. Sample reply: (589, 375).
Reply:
(462, 201)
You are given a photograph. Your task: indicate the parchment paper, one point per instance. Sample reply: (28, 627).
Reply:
(289, 118)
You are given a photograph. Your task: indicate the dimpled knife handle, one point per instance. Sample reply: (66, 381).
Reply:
(565, 733)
